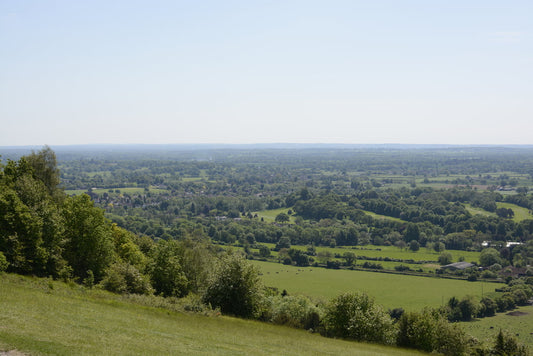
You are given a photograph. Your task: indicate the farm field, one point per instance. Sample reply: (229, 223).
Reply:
(379, 216)
(391, 252)
(38, 316)
(478, 211)
(389, 290)
(270, 215)
(518, 322)
(519, 212)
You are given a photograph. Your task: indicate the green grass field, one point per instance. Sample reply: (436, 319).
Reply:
(519, 323)
(38, 320)
(389, 290)
(519, 212)
(392, 252)
(478, 211)
(270, 215)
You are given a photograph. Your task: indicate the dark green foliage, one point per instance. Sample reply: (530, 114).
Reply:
(235, 287)
(507, 345)
(349, 258)
(166, 271)
(284, 242)
(282, 218)
(294, 311)
(264, 251)
(355, 316)
(44, 164)
(445, 258)
(31, 227)
(414, 246)
(125, 278)
(88, 235)
(489, 257)
(431, 332)
(488, 307)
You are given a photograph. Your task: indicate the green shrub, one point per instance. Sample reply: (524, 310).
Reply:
(430, 331)
(295, 311)
(354, 316)
(235, 287)
(508, 345)
(125, 278)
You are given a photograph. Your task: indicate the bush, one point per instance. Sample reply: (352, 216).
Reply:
(488, 274)
(508, 345)
(294, 311)
(431, 332)
(488, 307)
(445, 258)
(235, 287)
(125, 278)
(402, 268)
(354, 316)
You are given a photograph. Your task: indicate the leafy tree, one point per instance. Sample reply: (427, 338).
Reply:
(282, 218)
(89, 240)
(44, 165)
(445, 258)
(355, 316)
(166, 271)
(349, 258)
(507, 345)
(489, 256)
(264, 251)
(235, 287)
(414, 246)
(430, 331)
(412, 233)
(284, 242)
(438, 247)
(31, 228)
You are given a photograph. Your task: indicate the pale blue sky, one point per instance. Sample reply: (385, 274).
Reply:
(450, 71)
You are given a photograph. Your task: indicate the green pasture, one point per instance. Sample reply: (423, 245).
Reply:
(519, 212)
(389, 290)
(270, 215)
(518, 322)
(385, 217)
(392, 252)
(387, 265)
(42, 317)
(478, 211)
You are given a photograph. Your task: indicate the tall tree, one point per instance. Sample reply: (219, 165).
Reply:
(88, 237)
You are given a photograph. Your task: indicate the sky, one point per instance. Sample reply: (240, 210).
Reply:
(413, 72)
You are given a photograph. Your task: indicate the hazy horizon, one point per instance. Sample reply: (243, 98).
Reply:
(349, 72)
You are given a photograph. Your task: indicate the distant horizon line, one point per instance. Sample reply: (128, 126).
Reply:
(266, 144)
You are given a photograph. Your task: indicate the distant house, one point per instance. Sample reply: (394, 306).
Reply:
(458, 265)
(512, 243)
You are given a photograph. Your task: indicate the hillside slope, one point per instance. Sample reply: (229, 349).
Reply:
(39, 316)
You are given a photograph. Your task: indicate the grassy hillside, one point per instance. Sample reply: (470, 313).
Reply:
(38, 316)
(518, 322)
